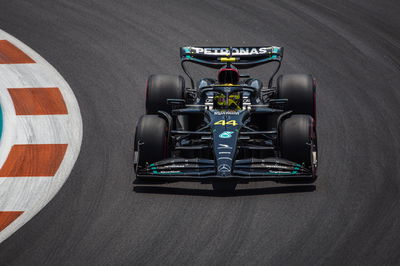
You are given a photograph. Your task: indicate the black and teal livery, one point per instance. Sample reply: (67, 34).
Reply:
(231, 128)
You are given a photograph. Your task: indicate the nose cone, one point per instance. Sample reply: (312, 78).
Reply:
(226, 125)
(224, 149)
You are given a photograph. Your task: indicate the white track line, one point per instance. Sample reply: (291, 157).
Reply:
(31, 194)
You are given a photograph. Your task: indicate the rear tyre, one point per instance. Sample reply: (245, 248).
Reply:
(163, 87)
(298, 141)
(151, 140)
(299, 89)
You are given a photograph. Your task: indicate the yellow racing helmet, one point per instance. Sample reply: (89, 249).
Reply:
(234, 101)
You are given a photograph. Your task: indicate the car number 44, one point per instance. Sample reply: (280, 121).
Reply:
(224, 122)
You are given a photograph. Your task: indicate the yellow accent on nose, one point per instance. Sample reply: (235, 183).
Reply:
(228, 59)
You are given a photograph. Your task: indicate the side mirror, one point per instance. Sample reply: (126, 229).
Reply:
(177, 102)
(278, 102)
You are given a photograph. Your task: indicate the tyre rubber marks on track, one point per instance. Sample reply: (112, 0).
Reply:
(10, 54)
(35, 159)
(31, 160)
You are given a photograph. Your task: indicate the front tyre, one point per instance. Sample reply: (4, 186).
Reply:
(298, 141)
(151, 140)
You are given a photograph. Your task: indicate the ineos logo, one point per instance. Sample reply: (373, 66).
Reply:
(224, 146)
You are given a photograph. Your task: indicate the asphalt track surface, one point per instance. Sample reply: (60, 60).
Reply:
(106, 50)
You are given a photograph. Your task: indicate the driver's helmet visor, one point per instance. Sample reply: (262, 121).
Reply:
(234, 101)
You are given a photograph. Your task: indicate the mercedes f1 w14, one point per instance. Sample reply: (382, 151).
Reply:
(231, 129)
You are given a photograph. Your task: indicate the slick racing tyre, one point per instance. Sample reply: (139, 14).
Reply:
(299, 89)
(163, 87)
(151, 140)
(298, 141)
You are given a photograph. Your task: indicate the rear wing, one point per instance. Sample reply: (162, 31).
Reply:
(240, 57)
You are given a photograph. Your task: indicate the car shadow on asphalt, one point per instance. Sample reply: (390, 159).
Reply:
(151, 189)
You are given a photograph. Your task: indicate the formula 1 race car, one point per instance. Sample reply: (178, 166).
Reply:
(230, 129)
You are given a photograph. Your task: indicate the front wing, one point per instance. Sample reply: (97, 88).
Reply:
(252, 169)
